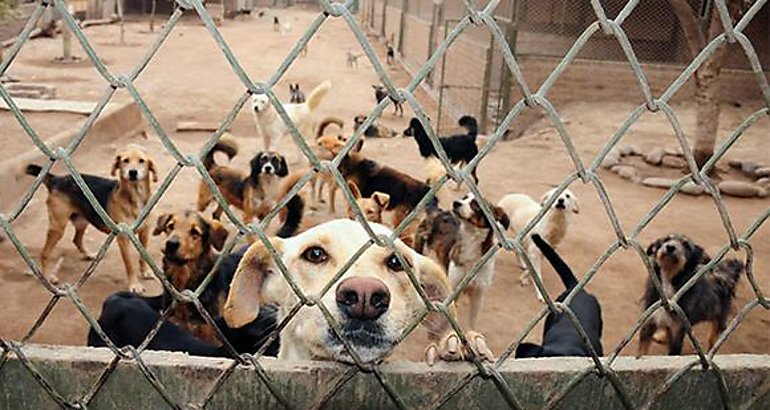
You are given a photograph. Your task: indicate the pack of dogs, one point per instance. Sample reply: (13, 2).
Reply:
(247, 297)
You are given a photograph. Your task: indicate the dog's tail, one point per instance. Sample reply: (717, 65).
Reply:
(35, 170)
(727, 274)
(226, 144)
(316, 96)
(470, 124)
(294, 210)
(561, 267)
(326, 122)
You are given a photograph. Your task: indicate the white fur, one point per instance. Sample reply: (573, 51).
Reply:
(521, 209)
(272, 128)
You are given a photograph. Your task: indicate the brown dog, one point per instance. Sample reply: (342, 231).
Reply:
(372, 207)
(188, 257)
(253, 192)
(373, 302)
(123, 199)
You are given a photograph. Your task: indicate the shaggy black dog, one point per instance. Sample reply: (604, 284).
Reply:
(460, 149)
(676, 260)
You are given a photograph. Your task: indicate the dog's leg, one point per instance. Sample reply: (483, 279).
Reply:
(204, 196)
(333, 197)
(144, 236)
(217, 214)
(125, 252)
(57, 222)
(475, 296)
(675, 341)
(81, 224)
(717, 327)
(645, 339)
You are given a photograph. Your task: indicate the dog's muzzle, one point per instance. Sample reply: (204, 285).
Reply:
(133, 175)
(170, 252)
(560, 204)
(268, 169)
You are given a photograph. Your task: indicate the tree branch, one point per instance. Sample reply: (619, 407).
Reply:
(689, 24)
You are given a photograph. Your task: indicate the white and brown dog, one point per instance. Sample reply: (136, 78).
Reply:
(373, 303)
(474, 239)
(271, 126)
(521, 209)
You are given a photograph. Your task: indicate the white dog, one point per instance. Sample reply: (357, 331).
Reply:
(272, 128)
(552, 227)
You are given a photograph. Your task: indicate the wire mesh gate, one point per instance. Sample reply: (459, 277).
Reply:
(485, 372)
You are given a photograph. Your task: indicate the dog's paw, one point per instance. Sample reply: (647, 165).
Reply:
(524, 278)
(137, 288)
(88, 256)
(451, 349)
(660, 336)
(53, 279)
(147, 274)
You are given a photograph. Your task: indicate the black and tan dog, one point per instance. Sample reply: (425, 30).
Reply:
(188, 257)
(436, 235)
(381, 93)
(460, 149)
(252, 193)
(376, 130)
(123, 199)
(676, 259)
(560, 338)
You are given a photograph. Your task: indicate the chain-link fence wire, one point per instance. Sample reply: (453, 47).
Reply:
(537, 100)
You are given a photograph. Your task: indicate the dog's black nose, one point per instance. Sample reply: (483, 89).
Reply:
(670, 248)
(457, 204)
(172, 245)
(363, 298)
(132, 174)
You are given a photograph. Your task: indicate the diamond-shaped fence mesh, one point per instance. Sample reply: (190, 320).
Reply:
(595, 19)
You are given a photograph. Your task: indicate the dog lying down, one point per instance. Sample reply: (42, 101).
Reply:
(373, 302)
(559, 335)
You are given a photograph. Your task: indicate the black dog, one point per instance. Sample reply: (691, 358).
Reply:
(127, 320)
(381, 93)
(460, 149)
(676, 259)
(559, 335)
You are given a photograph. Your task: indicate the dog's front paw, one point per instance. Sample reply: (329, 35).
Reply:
(88, 256)
(147, 274)
(451, 349)
(136, 288)
(524, 278)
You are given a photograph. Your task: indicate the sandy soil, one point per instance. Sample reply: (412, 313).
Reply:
(190, 79)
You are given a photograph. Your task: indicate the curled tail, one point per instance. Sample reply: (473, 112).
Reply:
(294, 209)
(561, 267)
(226, 144)
(470, 124)
(35, 170)
(318, 93)
(326, 122)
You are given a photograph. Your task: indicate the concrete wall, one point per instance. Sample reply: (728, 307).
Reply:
(71, 371)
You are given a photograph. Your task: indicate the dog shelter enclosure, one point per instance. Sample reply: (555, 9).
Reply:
(33, 376)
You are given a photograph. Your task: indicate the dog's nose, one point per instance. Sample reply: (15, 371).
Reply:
(670, 248)
(363, 298)
(132, 174)
(456, 204)
(172, 245)
(268, 169)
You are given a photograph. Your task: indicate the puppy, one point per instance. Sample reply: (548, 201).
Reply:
(474, 239)
(253, 193)
(123, 199)
(390, 52)
(127, 319)
(521, 209)
(372, 208)
(272, 128)
(436, 235)
(381, 93)
(375, 130)
(276, 24)
(675, 259)
(296, 95)
(559, 335)
(353, 59)
(373, 302)
(460, 149)
(188, 257)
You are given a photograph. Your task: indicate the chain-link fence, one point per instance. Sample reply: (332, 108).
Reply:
(596, 21)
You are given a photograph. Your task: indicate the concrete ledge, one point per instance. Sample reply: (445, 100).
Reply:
(117, 120)
(71, 371)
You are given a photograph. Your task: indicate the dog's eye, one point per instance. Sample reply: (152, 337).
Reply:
(394, 264)
(315, 254)
(170, 227)
(125, 160)
(141, 160)
(195, 233)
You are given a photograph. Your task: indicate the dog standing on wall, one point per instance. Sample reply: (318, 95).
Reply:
(521, 209)
(474, 239)
(675, 260)
(123, 199)
(272, 128)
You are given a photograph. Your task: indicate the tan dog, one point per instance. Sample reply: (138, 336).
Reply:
(371, 207)
(123, 199)
(373, 303)
(521, 209)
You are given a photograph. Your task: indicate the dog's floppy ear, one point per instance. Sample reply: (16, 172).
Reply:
(354, 190)
(501, 216)
(217, 234)
(115, 165)
(433, 281)
(382, 199)
(160, 224)
(575, 205)
(152, 170)
(283, 167)
(245, 296)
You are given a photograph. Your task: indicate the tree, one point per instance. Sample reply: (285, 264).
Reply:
(707, 98)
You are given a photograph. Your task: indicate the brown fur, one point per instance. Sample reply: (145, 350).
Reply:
(372, 208)
(122, 199)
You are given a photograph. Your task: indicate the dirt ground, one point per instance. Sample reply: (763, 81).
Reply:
(190, 79)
